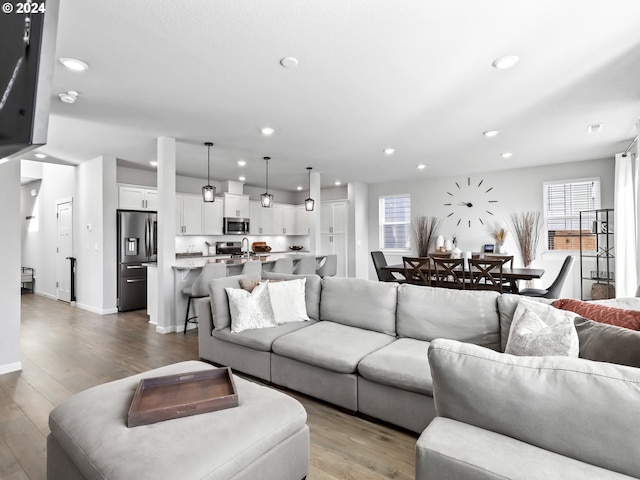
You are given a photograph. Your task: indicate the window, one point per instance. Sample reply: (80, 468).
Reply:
(563, 202)
(395, 222)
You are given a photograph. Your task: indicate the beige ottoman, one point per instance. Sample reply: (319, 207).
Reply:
(265, 436)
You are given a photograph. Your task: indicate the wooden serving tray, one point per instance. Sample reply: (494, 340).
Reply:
(182, 395)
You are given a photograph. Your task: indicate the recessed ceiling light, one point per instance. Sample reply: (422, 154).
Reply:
(241, 178)
(289, 62)
(507, 61)
(267, 131)
(242, 163)
(595, 128)
(389, 151)
(74, 64)
(337, 183)
(507, 155)
(153, 163)
(491, 133)
(298, 188)
(69, 97)
(39, 155)
(422, 166)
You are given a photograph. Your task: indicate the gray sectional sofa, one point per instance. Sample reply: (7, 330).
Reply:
(365, 348)
(368, 348)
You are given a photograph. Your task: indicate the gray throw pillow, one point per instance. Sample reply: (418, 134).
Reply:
(608, 343)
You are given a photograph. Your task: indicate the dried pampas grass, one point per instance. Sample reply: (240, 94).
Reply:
(424, 230)
(527, 227)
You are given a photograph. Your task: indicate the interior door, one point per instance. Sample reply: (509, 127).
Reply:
(64, 251)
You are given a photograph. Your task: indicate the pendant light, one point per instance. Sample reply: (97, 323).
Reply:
(208, 192)
(266, 199)
(309, 202)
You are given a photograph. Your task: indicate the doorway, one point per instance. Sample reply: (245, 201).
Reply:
(64, 250)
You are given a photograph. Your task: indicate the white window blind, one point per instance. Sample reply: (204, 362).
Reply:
(395, 222)
(563, 203)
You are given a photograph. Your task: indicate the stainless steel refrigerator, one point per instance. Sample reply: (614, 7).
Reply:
(137, 244)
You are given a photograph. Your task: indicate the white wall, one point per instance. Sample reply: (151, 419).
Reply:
(39, 238)
(10, 267)
(516, 190)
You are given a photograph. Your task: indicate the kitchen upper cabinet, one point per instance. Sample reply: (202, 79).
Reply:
(189, 215)
(284, 219)
(333, 217)
(303, 221)
(137, 198)
(212, 217)
(260, 219)
(336, 244)
(236, 205)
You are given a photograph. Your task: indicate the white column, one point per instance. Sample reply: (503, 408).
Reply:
(314, 222)
(358, 232)
(625, 217)
(10, 255)
(166, 233)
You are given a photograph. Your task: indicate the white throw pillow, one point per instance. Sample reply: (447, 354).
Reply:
(250, 310)
(287, 301)
(539, 329)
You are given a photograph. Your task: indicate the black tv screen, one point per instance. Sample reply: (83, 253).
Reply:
(27, 39)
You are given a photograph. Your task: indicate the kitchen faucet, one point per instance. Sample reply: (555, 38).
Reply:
(242, 247)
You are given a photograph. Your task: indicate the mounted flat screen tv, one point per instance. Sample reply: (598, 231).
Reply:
(27, 35)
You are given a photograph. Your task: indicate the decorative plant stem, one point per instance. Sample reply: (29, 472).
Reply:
(527, 227)
(424, 231)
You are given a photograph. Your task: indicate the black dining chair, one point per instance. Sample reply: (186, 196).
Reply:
(417, 270)
(449, 273)
(486, 273)
(380, 261)
(553, 291)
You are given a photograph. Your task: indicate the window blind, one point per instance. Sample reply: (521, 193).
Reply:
(395, 222)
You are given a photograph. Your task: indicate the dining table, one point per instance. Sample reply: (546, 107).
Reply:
(510, 274)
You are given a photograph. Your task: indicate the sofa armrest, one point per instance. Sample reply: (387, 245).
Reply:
(578, 408)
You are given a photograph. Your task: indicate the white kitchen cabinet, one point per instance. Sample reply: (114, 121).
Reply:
(260, 219)
(284, 219)
(137, 198)
(303, 221)
(336, 244)
(333, 217)
(236, 205)
(212, 217)
(189, 214)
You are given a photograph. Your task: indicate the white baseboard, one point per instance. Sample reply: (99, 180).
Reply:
(91, 309)
(10, 367)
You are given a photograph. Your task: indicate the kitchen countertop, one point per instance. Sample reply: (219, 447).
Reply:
(200, 261)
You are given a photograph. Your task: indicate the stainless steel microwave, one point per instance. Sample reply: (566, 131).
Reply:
(235, 226)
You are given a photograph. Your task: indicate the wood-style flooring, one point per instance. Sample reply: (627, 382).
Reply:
(65, 350)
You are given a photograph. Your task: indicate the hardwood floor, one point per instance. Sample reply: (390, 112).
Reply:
(66, 350)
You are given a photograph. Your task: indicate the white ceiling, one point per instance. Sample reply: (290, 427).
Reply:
(415, 75)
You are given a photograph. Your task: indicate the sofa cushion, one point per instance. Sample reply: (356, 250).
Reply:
(608, 343)
(507, 304)
(288, 300)
(219, 302)
(359, 303)
(574, 407)
(331, 345)
(311, 290)
(250, 310)
(259, 339)
(601, 313)
(428, 313)
(402, 364)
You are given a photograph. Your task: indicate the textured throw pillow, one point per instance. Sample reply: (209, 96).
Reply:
(287, 301)
(540, 330)
(608, 343)
(250, 310)
(248, 284)
(600, 313)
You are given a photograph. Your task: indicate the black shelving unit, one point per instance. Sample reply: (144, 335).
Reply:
(597, 256)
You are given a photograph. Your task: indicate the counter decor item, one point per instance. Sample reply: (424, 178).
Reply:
(296, 247)
(424, 231)
(527, 228)
(260, 247)
(500, 235)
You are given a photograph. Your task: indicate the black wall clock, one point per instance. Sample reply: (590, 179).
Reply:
(470, 202)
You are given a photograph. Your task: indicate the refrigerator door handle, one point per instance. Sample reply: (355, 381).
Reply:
(146, 238)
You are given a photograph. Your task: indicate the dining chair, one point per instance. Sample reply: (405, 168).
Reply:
(200, 287)
(508, 259)
(449, 272)
(379, 261)
(553, 291)
(252, 267)
(328, 267)
(486, 273)
(417, 270)
(283, 265)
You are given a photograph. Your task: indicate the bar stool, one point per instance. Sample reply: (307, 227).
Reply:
(200, 287)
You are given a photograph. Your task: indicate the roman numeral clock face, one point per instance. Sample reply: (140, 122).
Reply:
(470, 202)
